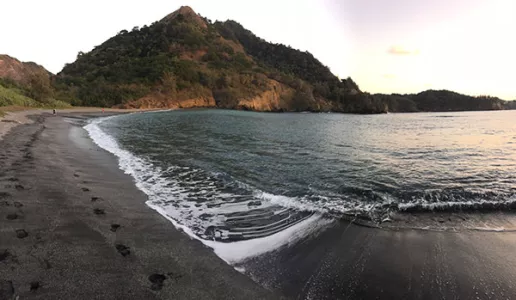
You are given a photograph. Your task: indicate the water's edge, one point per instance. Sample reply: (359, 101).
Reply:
(233, 252)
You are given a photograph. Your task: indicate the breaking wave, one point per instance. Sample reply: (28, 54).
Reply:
(214, 208)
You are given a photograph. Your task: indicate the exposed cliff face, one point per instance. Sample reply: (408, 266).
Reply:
(163, 102)
(20, 72)
(187, 13)
(275, 98)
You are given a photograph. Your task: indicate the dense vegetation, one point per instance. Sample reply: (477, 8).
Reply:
(178, 58)
(184, 57)
(38, 93)
(432, 100)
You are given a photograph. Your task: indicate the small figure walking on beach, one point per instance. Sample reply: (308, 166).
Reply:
(54, 111)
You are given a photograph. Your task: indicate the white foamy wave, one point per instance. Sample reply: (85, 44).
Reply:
(179, 201)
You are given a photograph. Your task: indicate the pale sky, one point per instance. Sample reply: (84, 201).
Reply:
(386, 46)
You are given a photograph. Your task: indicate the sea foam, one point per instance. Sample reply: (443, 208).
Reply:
(173, 200)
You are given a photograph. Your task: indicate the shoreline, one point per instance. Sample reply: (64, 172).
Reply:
(66, 194)
(73, 225)
(349, 261)
(11, 119)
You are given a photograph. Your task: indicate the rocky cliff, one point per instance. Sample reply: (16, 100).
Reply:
(20, 72)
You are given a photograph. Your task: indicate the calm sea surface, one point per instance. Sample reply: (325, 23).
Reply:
(233, 175)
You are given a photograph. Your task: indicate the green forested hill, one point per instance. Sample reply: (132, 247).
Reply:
(185, 57)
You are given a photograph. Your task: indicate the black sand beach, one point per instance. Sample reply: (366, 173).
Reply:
(73, 226)
(349, 261)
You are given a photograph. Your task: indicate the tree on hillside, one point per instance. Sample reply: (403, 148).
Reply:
(40, 87)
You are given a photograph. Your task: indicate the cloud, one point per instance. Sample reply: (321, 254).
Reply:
(400, 50)
(389, 76)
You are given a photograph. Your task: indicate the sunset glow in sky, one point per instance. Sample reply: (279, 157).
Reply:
(401, 46)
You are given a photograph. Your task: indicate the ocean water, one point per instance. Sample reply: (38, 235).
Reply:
(246, 183)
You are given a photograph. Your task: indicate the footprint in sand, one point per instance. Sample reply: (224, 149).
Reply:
(114, 227)
(6, 289)
(12, 216)
(99, 211)
(123, 249)
(94, 199)
(4, 254)
(34, 286)
(157, 281)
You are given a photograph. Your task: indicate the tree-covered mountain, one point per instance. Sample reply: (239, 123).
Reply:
(185, 60)
(442, 100)
(25, 84)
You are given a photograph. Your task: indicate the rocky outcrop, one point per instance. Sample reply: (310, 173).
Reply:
(164, 102)
(19, 72)
(188, 13)
(276, 98)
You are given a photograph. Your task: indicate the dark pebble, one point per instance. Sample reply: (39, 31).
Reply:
(114, 227)
(21, 233)
(123, 249)
(254, 203)
(93, 199)
(76, 175)
(85, 189)
(19, 187)
(18, 204)
(12, 179)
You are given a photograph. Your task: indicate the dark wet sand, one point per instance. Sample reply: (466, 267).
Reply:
(73, 226)
(349, 261)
